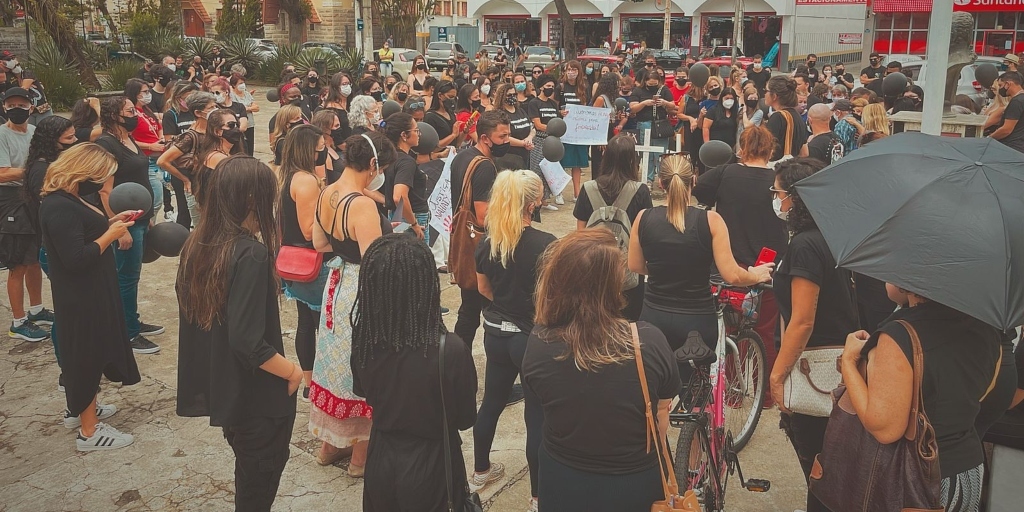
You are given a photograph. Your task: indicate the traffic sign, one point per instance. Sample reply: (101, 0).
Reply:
(359, 24)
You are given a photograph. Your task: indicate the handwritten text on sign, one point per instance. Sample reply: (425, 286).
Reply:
(586, 125)
(440, 200)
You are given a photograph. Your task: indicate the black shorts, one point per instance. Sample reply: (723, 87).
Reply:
(19, 232)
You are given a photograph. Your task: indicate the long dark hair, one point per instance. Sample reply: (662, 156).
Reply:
(582, 82)
(132, 89)
(608, 85)
(334, 89)
(242, 188)
(463, 101)
(398, 305)
(396, 124)
(210, 141)
(788, 173)
(110, 113)
(83, 115)
(299, 150)
(44, 145)
(437, 103)
(619, 166)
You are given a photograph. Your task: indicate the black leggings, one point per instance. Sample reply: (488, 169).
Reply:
(566, 489)
(250, 140)
(504, 363)
(677, 326)
(305, 335)
(807, 435)
(184, 218)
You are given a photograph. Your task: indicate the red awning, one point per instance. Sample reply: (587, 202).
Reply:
(197, 6)
(902, 6)
(969, 6)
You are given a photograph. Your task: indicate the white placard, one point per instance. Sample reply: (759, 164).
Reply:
(440, 200)
(555, 175)
(586, 125)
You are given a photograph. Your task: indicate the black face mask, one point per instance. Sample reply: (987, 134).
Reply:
(421, 66)
(990, 93)
(130, 123)
(476, 104)
(812, 63)
(321, 157)
(297, 101)
(715, 92)
(449, 105)
(840, 71)
(510, 101)
(500, 150)
(88, 188)
(681, 82)
(874, 62)
(20, 115)
(296, 123)
(164, 82)
(232, 135)
(1004, 92)
(751, 104)
(548, 91)
(402, 96)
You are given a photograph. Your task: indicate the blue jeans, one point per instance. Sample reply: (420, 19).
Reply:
(156, 182)
(424, 220)
(129, 269)
(653, 159)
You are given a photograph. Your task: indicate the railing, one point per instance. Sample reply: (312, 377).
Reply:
(830, 47)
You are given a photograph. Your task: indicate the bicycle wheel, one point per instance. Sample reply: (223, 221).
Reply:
(746, 382)
(693, 465)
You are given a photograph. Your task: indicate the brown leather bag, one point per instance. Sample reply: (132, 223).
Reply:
(673, 502)
(467, 232)
(854, 472)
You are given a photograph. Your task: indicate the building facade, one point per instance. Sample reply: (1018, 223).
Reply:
(901, 26)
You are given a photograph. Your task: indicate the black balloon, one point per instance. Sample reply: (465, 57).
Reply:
(272, 95)
(699, 74)
(148, 254)
(621, 103)
(556, 127)
(428, 139)
(389, 107)
(894, 84)
(714, 153)
(986, 74)
(130, 196)
(553, 149)
(167, 238)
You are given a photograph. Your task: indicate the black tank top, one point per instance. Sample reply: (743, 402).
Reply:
(678, 264)
(347, 249)
(291, 232)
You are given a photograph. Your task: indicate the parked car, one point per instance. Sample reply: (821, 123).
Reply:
(598, 56)
(439, 52)
(269, 43)
(968, 85)
(535, 55)
(334, 47)
(668, 59)
(492, 49)
(722, 56)
(402, 63)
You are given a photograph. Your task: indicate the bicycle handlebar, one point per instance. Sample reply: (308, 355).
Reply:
(719, 282)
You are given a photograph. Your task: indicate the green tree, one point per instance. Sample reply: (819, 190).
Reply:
(47, 14)
(568, 30)
(400, 17)
(240, 18)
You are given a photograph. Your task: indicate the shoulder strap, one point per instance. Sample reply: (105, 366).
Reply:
(594, 195)
(668, 478)
(467, 184)
(444, 423)
(343, 207)
(626, 195)
(917, 400)
(788, 148)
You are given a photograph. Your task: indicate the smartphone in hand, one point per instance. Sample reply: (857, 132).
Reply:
(135, 215)
(766, 256)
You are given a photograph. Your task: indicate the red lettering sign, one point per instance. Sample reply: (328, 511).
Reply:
(988, 5)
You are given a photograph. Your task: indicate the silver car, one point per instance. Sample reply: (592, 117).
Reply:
(440, 52)
(968, 85)
(542, 56)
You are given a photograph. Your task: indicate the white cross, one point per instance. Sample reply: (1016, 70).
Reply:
(645, 152)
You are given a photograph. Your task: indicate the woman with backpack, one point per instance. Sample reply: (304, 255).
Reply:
(507, 268)
(616, 188)
(677, 298)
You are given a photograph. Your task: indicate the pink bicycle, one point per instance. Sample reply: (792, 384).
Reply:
(726, 391)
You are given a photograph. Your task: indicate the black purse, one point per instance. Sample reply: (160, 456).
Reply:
(661, 128)
(472, 502)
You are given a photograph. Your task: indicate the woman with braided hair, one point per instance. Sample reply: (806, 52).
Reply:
(396, 332)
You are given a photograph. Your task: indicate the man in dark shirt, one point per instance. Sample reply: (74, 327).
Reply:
(759, 75)
(876, 85)
(823, 144)
(492, 130)
(1011, 132)
(842, 77)
(872, 72)
(812, 69)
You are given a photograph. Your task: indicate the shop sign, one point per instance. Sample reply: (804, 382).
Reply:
(851, 38)
(986, 5)
(834, 2)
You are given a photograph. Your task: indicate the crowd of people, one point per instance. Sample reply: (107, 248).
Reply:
(339, 222)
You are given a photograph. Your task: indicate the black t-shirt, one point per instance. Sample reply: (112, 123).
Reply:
(641, 94)
(778, 126)
(825, 147)
(158, 102)
(442, 126)
(960, 355)
(567, 96)
(678, 264)
(723, 127)
(176, 123)
(483, 177)
(843, 79)
(1014, 111)
(596, 421)
(520, 123)
(813, 75)
(405, 172)
(513, 286)
(808, 257)
(131, 167)
(873, 72)
(237, 108)
(545, 110)
(641, 201)
(760, 79)
(741, 195)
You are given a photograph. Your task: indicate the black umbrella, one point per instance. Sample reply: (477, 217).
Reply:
(941, 217)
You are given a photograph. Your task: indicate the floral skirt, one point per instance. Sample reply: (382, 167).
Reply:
(337, 416)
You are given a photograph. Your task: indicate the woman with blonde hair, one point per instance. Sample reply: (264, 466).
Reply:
(507, 266)
(581, 364)
(93, 337)
(677, 297)
(399, 92)
(875, 119)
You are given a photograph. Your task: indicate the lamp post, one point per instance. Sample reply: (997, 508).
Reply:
(938, 61)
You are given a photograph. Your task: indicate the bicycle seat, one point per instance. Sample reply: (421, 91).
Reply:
(694, 351)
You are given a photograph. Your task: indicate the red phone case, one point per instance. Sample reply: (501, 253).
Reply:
(767, 256)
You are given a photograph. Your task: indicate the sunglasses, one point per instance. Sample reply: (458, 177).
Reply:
(536, 71)
(417, 106)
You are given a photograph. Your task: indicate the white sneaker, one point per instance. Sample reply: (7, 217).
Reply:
(550, 207)
(558, 200)
(102, 412)
(105, 438)
(478, 481)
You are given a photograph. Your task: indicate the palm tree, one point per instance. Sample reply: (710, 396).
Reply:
(47, 14)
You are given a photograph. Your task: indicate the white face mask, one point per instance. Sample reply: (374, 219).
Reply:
(728, 103)
(377, 182)
(17, 70)
(346, 89)
(172, 67)
(777, 206)
(11, 64)
(241, 87)
(219, 97)
(485, 89)
(571, 75)
(377, 117)
(146, 98)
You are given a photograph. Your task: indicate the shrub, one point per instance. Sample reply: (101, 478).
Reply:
(240, 50)
(270, 69)
(55, 71)
(351, 61)
(119, 73)
(167, 41)
(199, 46)
(308, 59)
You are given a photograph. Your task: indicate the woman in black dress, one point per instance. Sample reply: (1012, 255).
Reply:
(231, 363)
(405, 465)
(86, 297)
(722, 121)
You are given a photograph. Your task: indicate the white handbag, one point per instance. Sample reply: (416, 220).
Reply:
(808, 388)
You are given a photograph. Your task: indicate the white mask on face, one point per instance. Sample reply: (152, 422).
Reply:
(219, 97)
(172, 67)
(11, 64)
(377, 182)
(17, 70)
(777, 206)
(728, 103)
(241, 87)
(346, 89)
(485, 89)
(146, 98)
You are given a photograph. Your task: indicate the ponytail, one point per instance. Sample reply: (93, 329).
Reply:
(676, 176)
(512, 195)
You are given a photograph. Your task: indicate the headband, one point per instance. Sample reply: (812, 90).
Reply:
(284, 89)
(372, 147)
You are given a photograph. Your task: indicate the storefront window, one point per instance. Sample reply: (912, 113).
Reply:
(527, 31)
(900, 41)
(901, 20)
(986, 20)
(921, 20)
(882, 40)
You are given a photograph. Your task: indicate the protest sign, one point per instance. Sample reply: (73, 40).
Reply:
(555, 175)
(440, 200)
(586, 125)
